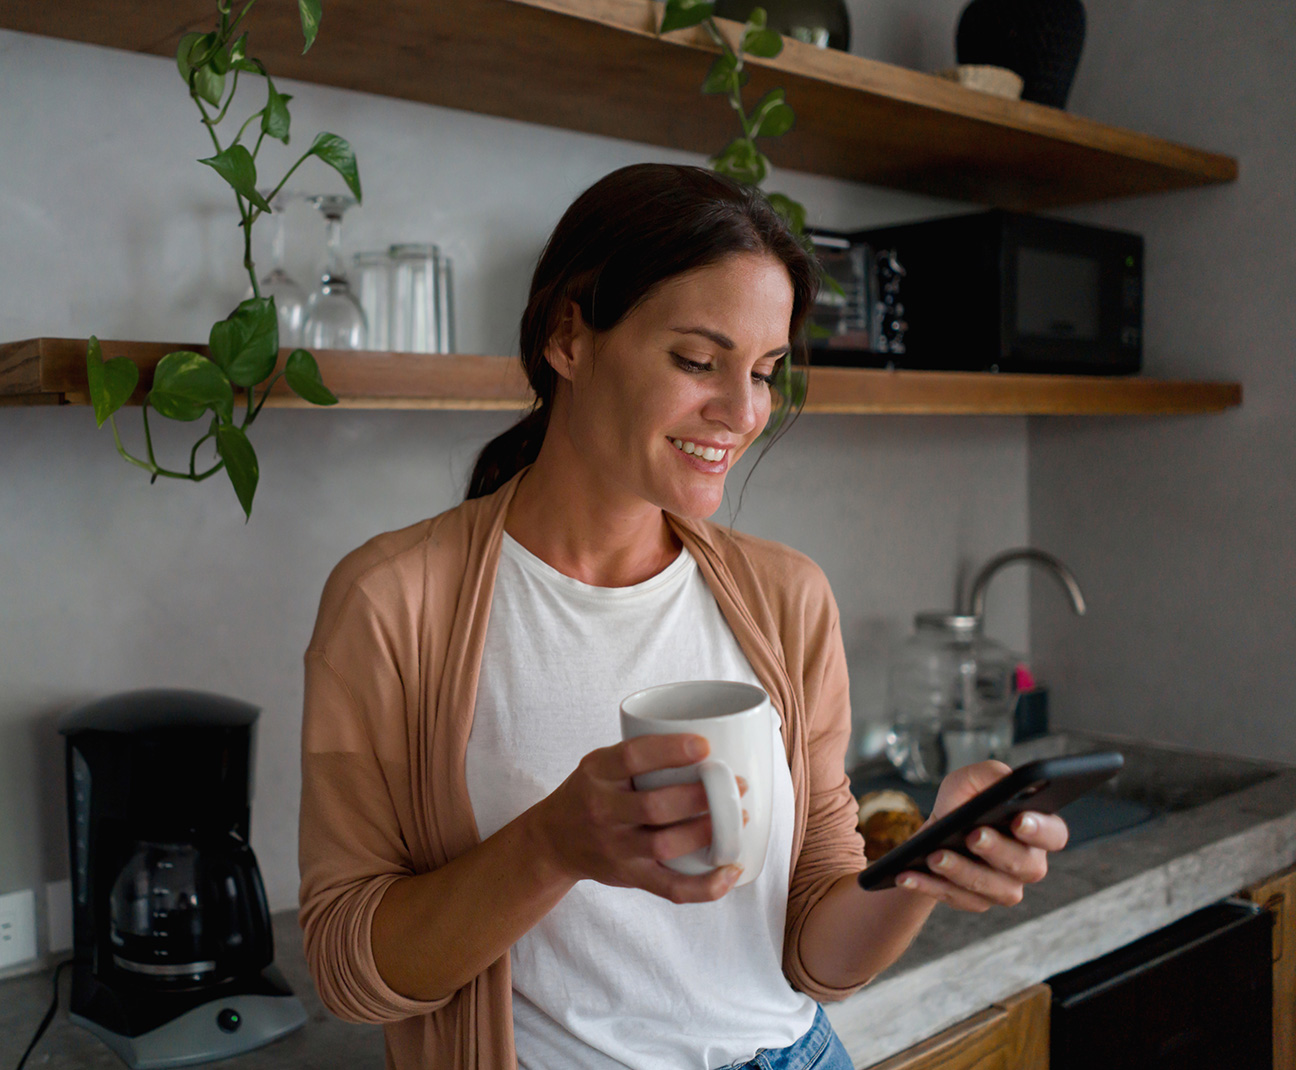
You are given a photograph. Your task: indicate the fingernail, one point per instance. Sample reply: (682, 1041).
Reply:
(1028, 824)
(980, 837)
(697, 748)
(908, 882)
(732, 873)
(940, 861)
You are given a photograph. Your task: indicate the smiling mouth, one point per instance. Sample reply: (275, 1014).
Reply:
(703, 453)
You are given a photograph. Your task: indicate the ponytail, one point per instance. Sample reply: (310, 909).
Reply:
(506, 455)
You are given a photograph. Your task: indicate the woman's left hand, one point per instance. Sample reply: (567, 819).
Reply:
(1004, 865)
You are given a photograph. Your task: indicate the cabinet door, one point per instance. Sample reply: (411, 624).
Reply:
(1012, 1035)
(1277, 894)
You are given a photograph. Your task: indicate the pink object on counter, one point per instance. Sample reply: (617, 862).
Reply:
(1023, 680)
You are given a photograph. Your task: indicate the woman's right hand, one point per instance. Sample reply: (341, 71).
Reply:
(598, 827)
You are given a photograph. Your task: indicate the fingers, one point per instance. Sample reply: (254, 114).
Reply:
(644, 754)
(1008, 856)
(679, 888)
(1046, 831)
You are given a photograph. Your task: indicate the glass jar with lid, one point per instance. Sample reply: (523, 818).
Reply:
(950, 695)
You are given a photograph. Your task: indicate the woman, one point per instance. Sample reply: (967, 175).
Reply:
(477, 872)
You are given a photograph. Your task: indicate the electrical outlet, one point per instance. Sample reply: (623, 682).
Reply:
(17, 928)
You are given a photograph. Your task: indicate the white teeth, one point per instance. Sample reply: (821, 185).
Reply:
(706, 453)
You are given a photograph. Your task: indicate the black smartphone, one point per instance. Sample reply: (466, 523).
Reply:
(1043, 786)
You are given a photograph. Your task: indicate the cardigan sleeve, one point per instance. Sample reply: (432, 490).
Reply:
(831, 848)
(356, 817)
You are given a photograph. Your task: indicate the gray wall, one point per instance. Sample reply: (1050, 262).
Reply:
(108, 584)
(1181, 530)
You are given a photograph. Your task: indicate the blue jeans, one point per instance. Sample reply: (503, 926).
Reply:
(818, 1049)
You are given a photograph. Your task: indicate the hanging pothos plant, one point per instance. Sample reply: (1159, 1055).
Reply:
(243, 348)
(741, 159)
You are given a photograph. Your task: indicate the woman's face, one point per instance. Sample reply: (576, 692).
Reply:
(664, 404)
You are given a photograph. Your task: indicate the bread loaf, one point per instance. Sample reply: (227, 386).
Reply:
(886, 820)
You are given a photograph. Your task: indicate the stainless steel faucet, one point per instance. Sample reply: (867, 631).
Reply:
(975, 606)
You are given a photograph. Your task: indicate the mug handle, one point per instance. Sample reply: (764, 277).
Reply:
(725, 805)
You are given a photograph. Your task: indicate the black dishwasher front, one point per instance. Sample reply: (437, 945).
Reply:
(1196, 995)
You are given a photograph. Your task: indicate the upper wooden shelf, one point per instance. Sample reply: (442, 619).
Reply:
(52, 371)
(597, 66)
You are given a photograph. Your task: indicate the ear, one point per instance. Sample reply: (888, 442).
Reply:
(570, 345)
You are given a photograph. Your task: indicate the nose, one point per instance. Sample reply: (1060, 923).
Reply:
(738, 404)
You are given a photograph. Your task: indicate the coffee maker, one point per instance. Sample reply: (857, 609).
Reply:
(173, 953)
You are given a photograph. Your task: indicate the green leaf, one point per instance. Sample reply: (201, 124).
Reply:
(236, 166)
(185, 50)
(741, 160)
(303, 375)
(310, 20)
(220, 61)
(111, 382)
(793, 212)
(680, 14)
(339, 155)
(245, 345)
(772, 117)
(274, 120)
(187, 384)
(756, 39)
(238, 52)
(720, 78)
(240, 462)
(209, 84)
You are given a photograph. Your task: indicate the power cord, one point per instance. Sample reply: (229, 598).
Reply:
(49, 1014)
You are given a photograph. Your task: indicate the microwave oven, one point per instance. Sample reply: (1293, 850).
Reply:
(988, 291)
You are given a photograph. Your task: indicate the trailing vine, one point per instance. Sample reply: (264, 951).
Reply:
(243, 348)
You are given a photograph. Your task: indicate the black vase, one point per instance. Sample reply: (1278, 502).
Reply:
(1039, 39)
(825, 23)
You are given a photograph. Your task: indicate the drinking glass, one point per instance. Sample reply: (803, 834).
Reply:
(289, 297)
(373, 283)
(416, 322)
(334, 318)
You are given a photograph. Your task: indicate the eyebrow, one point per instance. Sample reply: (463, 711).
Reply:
(724, 341)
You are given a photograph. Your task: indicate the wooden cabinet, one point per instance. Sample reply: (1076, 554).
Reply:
(1277, 894)
(1011, 1035)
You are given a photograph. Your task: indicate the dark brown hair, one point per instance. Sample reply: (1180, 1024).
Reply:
(623, 237)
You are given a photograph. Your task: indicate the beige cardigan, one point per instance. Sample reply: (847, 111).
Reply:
(391, 680)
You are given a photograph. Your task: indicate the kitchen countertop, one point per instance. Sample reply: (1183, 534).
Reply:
(1097, 897)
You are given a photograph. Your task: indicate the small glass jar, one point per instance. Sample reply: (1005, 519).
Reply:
(951, 692)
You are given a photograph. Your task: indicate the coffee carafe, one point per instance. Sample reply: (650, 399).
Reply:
(171, 929)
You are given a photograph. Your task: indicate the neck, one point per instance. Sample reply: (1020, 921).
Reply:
(582, 527)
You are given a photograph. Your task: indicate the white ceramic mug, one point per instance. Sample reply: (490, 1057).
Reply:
(737, 720)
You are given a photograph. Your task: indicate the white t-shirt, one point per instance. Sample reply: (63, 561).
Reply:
(618, 977)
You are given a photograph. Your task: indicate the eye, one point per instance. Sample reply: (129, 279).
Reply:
(693, 367)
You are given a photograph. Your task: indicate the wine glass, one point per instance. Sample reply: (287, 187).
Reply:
(289, 297)
(334, 318)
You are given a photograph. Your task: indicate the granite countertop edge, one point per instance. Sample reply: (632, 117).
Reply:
(1213, 852)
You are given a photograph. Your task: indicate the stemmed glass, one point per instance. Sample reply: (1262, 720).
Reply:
(290, 298)
(334, 318)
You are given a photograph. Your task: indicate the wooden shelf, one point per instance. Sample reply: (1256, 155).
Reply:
(597, 66)
(52, 371)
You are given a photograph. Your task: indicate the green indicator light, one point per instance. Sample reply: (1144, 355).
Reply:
(1129, 261)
